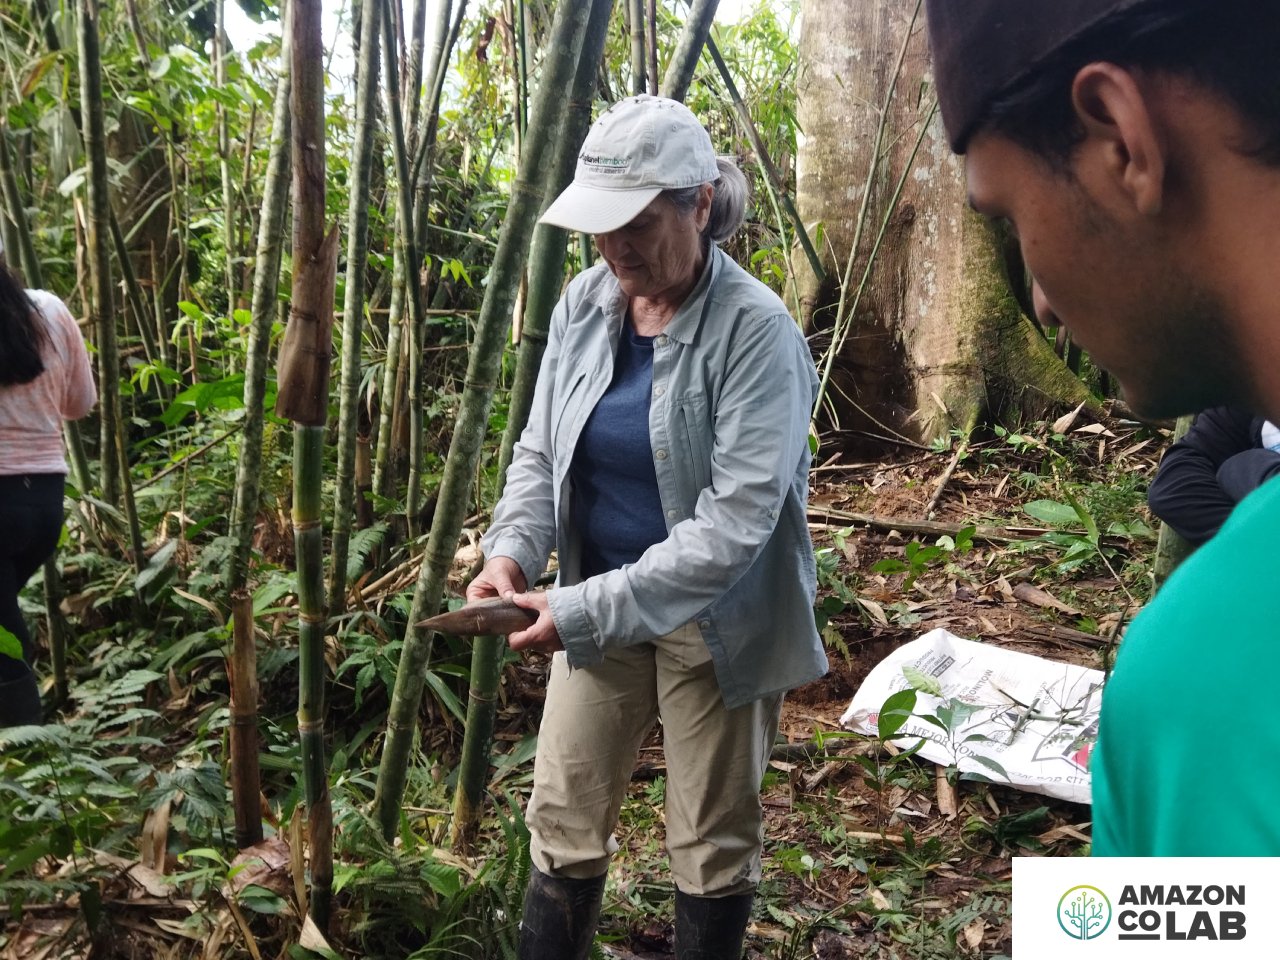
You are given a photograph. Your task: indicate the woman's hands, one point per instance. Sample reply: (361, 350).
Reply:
(502, 577)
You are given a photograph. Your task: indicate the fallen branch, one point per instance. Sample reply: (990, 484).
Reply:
(934, 528)
(961, 450)
(1064, 634)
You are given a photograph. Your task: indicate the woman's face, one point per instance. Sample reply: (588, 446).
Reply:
(658, 253)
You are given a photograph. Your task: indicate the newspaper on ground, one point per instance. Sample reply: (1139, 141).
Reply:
(1015, 717)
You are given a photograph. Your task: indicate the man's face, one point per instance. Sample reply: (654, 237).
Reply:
(1108, 275)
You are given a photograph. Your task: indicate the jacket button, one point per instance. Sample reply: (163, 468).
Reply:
(672, 514)
(704, 624)
(662, 340)
(659, 390)
(660, 454)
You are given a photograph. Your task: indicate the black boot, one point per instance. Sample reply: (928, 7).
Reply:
(711, 928)
(560, 916)
(20, 701)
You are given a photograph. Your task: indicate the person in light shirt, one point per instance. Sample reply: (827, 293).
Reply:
(45, 379)
(666, 459)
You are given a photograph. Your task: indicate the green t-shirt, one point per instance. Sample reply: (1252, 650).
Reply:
(1187, 761)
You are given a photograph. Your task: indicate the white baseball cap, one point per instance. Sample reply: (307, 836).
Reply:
(637, 148)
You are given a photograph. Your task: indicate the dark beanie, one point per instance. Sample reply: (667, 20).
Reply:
(981, 47)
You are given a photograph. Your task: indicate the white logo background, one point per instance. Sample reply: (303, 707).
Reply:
(1040, 882)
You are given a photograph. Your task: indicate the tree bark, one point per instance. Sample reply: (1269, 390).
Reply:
(935, 338)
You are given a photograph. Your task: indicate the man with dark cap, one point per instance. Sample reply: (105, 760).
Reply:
(1134, 147)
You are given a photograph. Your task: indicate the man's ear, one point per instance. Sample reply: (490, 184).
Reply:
(1123, 144)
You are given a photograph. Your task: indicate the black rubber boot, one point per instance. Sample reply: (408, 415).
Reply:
(711, 928)
(560, 916)
(20, 702)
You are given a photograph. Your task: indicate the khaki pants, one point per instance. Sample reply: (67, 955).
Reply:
(592, 727)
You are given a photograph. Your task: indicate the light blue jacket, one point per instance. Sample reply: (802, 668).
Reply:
(733, 384)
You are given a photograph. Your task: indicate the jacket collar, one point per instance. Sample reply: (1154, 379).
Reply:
(686, 323)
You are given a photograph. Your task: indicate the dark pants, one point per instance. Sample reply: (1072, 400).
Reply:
(30, 523)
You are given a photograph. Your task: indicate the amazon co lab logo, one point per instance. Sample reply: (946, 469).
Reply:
(1084, 912)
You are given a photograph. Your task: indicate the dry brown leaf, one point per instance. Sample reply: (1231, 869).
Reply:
(1063, 832)
(1094, 429)
(155, 835)
(218, 936)
(1130, 451)
(875, 610)
(1029, 593)
(201, 601)
(311, 937)
(267, 864)
(988, 627)
(946, 794)
(879, 899)
(973, 934)
(1064, 422)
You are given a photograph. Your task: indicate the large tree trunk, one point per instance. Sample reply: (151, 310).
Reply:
(935, 335)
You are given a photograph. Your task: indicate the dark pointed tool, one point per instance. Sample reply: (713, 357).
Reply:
(484, 617)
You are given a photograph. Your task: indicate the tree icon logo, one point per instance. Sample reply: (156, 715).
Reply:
(1084, 912)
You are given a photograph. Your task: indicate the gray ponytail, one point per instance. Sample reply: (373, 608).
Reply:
(728, 205)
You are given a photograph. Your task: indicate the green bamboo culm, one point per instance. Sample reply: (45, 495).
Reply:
(353, 303)
(263, 307)
(308, 539)
(473, 768)
(485, 358)
(766, 163)
(635, 10)
(684, 62)
(412, 262)
(546, 276)
(303, 397)
(547, 256)
(94, 135)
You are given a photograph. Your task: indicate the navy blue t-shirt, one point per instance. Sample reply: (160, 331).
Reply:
(615, 486)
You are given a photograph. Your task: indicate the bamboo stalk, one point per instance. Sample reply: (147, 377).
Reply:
(53, 594)
(245, 778)
(766, 164)
(412, 263)
(303, 397)
(413, 72)
(102, 308)
(547, 255)
(473, 769)
(224, 154)
(638, 82)
(389, 401)
(263, 308)
(651, 37)
(353, 303)
(482, 368)
(684, 62)
(308, 536)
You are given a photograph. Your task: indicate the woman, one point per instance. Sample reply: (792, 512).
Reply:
(666, 459)
(44, 379)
